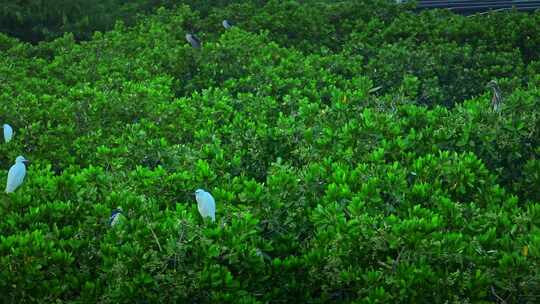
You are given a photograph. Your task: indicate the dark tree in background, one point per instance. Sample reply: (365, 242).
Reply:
(37, 20)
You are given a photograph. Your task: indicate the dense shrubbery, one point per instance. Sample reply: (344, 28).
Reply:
(327, 188)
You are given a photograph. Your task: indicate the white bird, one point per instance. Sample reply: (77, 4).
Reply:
(226, 24)
(206, 204)
(16, 174)
(8, 132)
(193, 40)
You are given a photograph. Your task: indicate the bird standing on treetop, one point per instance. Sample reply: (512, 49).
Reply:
(115, 216)
(497, 99)
(8, 132)
(206, 204)
(226, 24)
(16, 174)
(193, 40)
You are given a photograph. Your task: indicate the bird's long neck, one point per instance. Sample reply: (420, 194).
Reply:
(496, 92)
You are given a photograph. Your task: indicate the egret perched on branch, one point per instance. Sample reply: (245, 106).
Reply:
(226, 24)
(206, 204)
(497, 99)
(116, 214)
(8, 132)
(16, 174)
(193, 40)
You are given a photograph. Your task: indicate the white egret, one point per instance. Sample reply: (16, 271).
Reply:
(116, 214)
(16, 174)
(8, 132)
(206, 204)
(226, 24)
(193, 40)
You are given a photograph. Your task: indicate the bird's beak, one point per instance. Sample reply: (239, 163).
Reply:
(26, 162)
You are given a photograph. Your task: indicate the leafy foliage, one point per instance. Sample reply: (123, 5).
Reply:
(349, 161)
